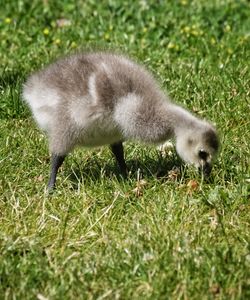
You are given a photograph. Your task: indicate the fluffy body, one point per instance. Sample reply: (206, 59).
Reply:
(95, 99)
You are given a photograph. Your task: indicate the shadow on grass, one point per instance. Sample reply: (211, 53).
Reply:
(96, 169)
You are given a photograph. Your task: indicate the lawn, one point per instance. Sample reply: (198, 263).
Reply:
(160, 234)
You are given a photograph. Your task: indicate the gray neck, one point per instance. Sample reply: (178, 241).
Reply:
(181, 120)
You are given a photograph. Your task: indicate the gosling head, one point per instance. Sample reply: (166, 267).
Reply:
(198, 147)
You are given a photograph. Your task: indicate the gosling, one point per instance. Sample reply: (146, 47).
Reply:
(103, 98)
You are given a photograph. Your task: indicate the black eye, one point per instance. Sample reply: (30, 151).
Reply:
(203, 154)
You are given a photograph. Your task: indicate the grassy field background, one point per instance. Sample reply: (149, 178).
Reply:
(159, 234)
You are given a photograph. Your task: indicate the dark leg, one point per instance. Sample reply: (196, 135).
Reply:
(117, 150)
(56, 162)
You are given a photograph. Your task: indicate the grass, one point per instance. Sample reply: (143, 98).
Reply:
(152, 236)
